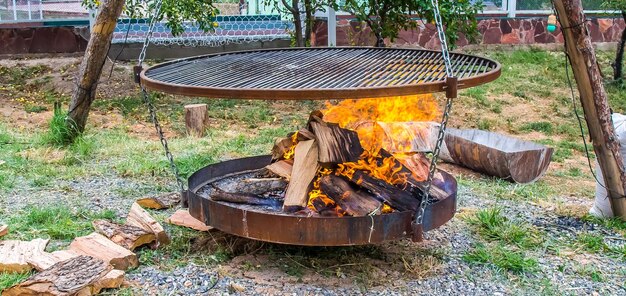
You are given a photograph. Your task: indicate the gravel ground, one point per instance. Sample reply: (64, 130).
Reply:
(556, 274)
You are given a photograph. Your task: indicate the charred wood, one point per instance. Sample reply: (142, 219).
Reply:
(353, 201)
(244, 198)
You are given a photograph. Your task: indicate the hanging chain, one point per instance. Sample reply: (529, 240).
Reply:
(146, 42)
(444, 120)
(148, 102)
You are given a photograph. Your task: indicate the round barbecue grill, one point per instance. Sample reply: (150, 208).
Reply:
(316, 73)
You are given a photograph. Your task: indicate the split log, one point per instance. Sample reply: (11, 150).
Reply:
(4, 230)
(98, 246)
(183, 218)
(281, 146)
(127, 236)
(14, 254)
(244, 198)
(395, 197)
(112, 280)
(353, 201)
(142, 219)
(74, 276)
(164, 201)
(305, 134)
(416, 163)
(281, 168)
(335, 144)
(45, 260)
(196, 119)
(305, 167)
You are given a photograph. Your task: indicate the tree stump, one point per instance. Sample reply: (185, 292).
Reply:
(196, 119)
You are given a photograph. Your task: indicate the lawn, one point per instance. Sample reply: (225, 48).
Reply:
(521, 238)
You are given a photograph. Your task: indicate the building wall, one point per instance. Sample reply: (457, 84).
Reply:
(492, 31)
(41, 40)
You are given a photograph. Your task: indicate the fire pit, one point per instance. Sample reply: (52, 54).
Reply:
(343, 169)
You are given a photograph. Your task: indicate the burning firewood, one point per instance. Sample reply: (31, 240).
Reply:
(397, 198)
(353, 201)
(243, 198)
(336, 145)
(305, 166)
(254, 186)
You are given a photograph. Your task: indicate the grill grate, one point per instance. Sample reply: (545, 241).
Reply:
(317, 73)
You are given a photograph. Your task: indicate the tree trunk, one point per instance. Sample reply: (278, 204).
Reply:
(594, 101)
(93, 61)
(294, 8)
(309, 10)
(618, 64)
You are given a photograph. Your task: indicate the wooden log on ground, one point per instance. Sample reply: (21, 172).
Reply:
(281, 168)
(305, 167)
(45, 260)
(244, 198)
(142, 219)
(395, 197)
(98, 246)
(4, 230)
(196, 119)
(353, 201)
(14, 254)
(127, 236)
(164, 201)
(183, 218)
(74, 276)
(112, 280)
(497, 155)
(335, 144)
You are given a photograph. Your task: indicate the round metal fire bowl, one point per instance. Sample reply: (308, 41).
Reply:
(319, 73)
(284, 228)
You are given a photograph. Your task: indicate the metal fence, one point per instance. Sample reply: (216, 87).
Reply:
(17, 11)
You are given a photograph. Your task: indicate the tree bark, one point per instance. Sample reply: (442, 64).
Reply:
(297, 20)
(594, 101)
(309, 10)
(91, 66)
(618, 64)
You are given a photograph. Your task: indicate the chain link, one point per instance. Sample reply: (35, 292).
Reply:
(146, 42)
(419, 218)
(159, 130)
(148, 102)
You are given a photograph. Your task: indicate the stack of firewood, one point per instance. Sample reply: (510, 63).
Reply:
(91, 263)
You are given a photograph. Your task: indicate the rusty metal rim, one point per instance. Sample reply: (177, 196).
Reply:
(314, 93)
(307, 231)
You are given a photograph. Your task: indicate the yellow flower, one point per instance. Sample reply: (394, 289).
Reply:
(215, 24)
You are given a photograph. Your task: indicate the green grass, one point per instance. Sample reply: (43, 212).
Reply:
(592, 243)
(10, 279)
(492, 225)
(541, 126)
(501, 258)
(501, 189)
(61, 130)
(54, 222)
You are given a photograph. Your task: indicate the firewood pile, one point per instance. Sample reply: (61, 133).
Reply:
(325, 170)
(93, 262)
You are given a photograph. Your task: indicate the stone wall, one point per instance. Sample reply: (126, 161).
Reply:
(41, 40)
(492, 31)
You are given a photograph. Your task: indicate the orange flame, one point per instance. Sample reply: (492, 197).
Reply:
(364, 117)
(292, 149)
